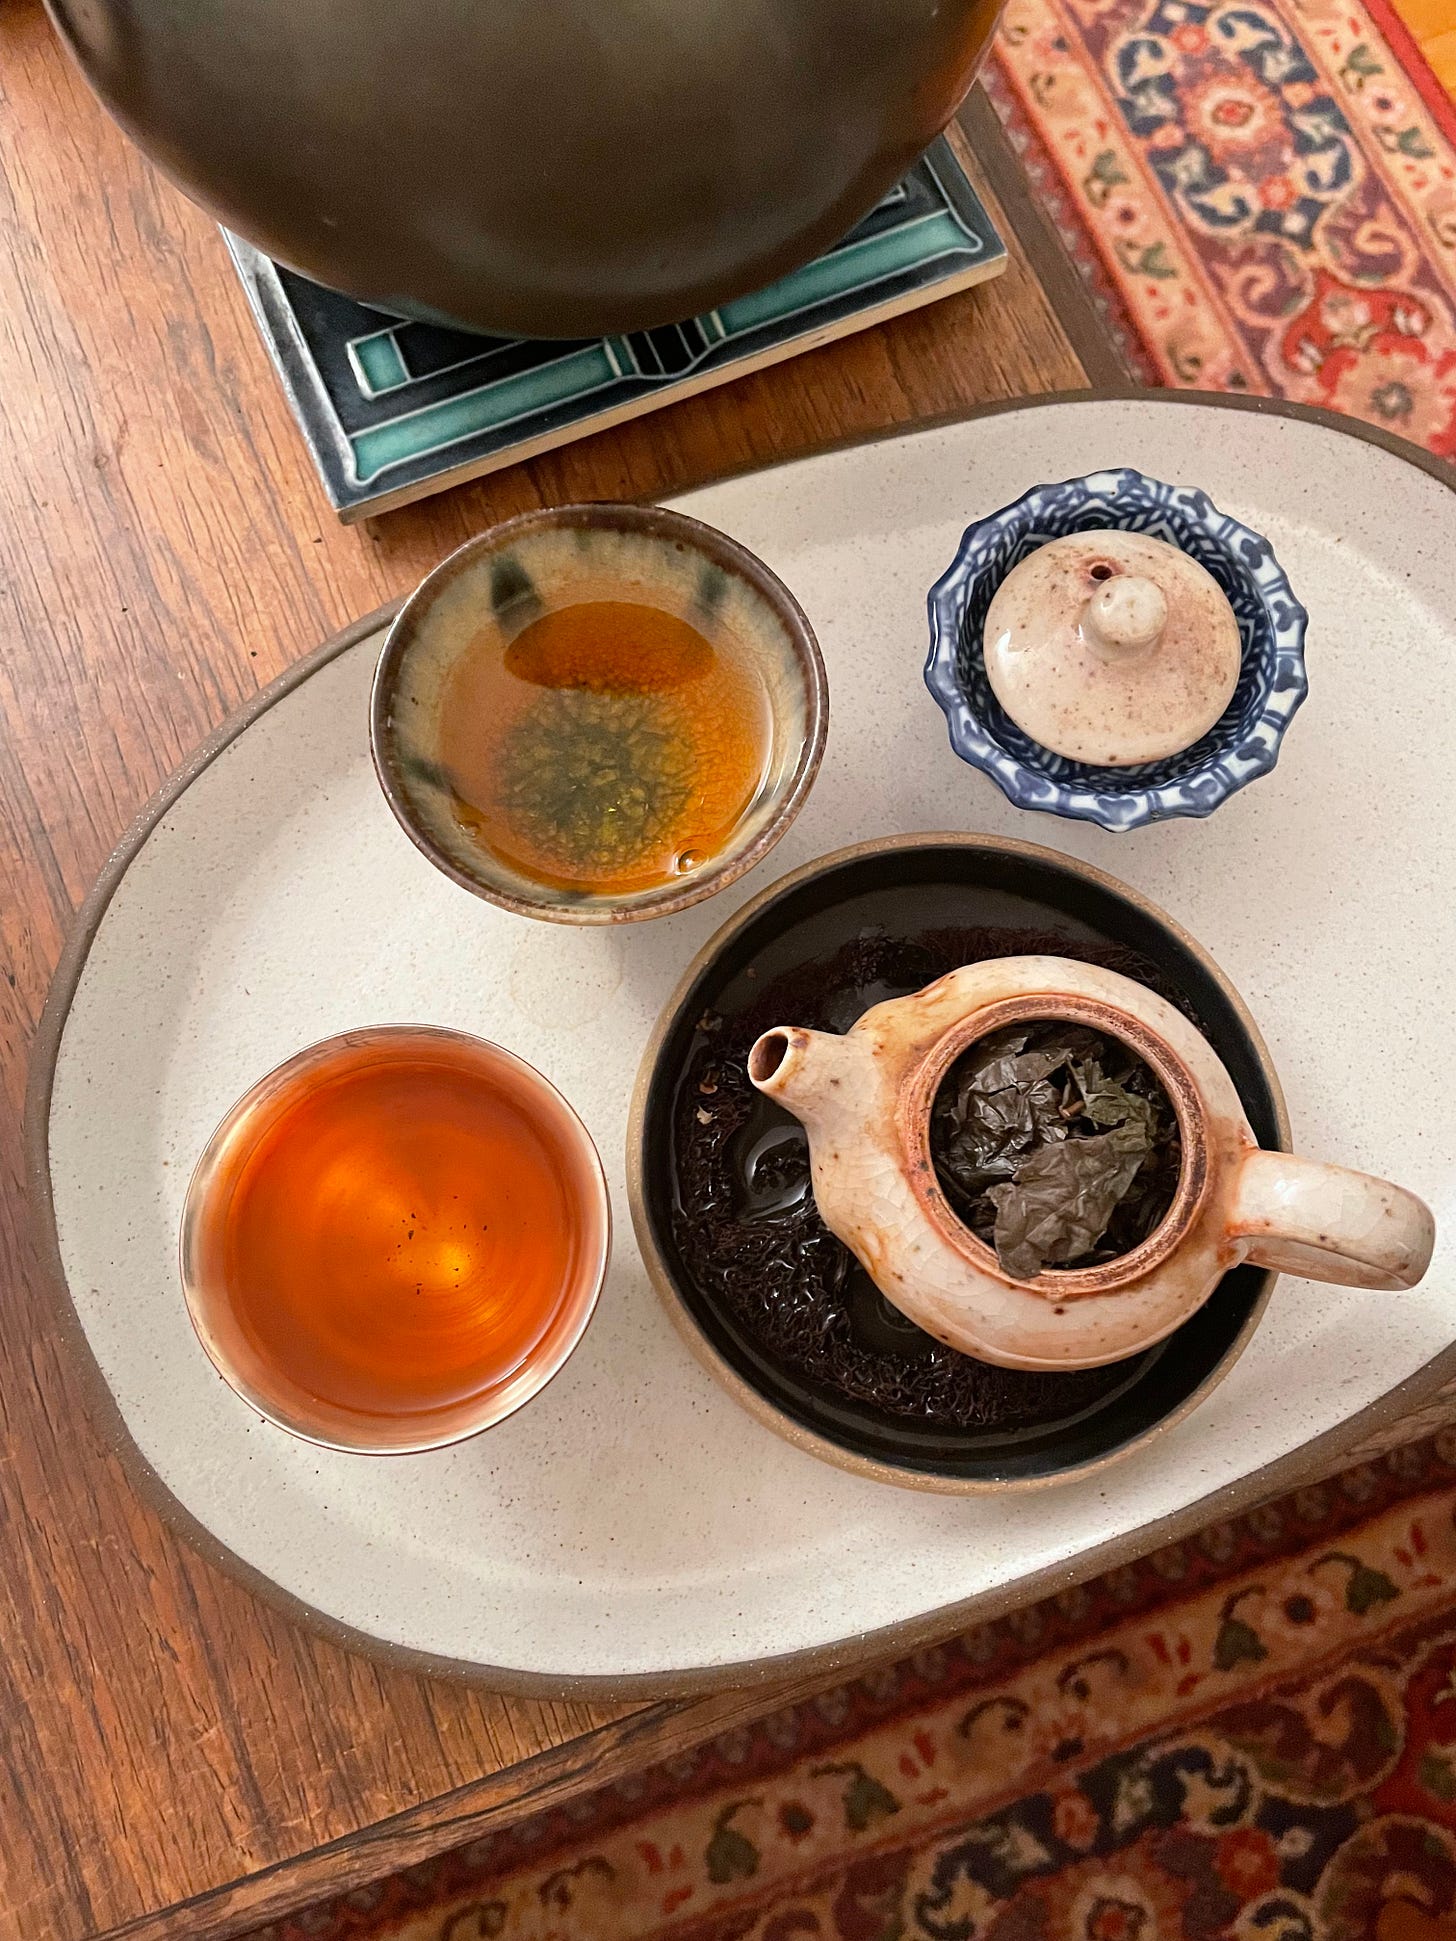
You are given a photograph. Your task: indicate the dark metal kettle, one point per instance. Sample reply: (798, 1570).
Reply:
(554, 168)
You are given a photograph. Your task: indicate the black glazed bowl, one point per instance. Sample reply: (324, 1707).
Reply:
(915, 887)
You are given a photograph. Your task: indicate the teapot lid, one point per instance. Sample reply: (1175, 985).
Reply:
(1112, 648)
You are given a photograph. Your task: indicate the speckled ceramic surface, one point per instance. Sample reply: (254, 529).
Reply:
(1112, 648)
(1241, 555)
(634, 1520)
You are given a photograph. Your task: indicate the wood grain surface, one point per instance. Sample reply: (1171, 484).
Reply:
(164, 551)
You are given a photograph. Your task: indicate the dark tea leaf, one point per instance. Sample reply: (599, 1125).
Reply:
(1062, 1198)
(1044, 1137)
(997, 1101)
(1108, 1104)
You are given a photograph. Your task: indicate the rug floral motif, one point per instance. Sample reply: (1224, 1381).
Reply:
(1250, 1735)
(1259, 194)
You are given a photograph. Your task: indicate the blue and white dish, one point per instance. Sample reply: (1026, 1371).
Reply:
(1242, 745)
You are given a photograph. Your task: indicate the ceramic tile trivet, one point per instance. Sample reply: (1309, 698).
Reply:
(633, 1524)
(394, 410)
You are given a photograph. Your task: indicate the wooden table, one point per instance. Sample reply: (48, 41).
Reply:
(164, 551)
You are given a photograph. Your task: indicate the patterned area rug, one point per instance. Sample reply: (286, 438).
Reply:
(1260, 195)
(1251, 1735)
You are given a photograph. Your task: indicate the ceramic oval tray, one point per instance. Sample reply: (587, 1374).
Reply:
(633, 1529)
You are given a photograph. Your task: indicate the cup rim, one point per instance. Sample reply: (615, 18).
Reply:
(653, 522)
(593, 1276)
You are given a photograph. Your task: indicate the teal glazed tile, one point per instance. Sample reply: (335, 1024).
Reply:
(392, 410)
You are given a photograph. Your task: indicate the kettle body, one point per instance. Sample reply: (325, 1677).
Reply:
(538, 168)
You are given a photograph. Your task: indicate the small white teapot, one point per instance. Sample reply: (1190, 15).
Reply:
(865, 1101)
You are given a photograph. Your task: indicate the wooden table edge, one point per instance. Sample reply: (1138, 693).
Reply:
(983, 147)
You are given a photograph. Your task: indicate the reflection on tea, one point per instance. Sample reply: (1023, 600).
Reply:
(611, 747)
(398, 1228)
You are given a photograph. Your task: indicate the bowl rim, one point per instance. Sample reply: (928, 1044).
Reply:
(584, 1306)
(660, 1273)
(1256, 752)
(653, 522)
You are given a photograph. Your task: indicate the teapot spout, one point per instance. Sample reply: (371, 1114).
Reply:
(805, 1071)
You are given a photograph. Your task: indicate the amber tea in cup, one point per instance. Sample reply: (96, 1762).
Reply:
(609, 747)
(395, 1239)
(598, 713)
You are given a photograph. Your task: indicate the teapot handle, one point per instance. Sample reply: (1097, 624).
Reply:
(1330, 1224)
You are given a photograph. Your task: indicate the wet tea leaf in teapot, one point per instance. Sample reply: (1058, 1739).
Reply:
(1056, 1144)
(744, 1220)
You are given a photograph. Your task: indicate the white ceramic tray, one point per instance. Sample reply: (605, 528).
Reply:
(633, 1529)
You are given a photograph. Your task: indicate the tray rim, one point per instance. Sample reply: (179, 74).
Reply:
(1311, 1461)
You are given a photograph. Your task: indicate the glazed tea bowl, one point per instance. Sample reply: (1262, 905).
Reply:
(935, 900)
(1243, 743)
(573, 170)
(543, 564)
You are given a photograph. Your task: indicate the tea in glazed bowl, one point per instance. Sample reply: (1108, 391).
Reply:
(598, 713)
(395, 1239)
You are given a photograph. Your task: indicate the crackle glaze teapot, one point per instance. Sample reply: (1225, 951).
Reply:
(865, 1100)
